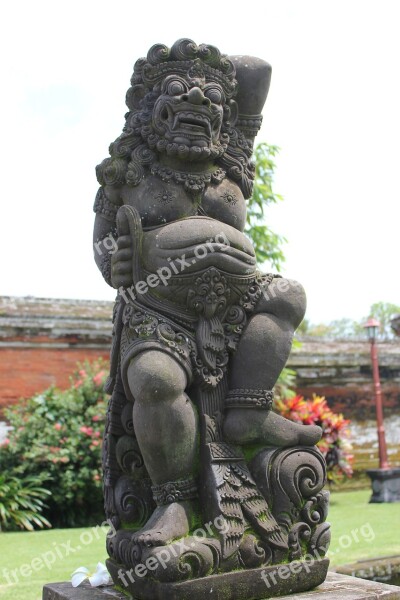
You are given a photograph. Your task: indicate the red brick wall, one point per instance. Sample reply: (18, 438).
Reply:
(26, 371)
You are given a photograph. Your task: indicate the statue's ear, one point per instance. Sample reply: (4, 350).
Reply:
(233, 112)
(134, 96)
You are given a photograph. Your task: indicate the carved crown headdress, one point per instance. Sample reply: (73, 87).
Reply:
(184, 58)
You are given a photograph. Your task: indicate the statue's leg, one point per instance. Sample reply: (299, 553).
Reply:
(261, 355)
(165, 422)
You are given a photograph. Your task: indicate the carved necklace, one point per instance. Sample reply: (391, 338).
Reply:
(194, 183)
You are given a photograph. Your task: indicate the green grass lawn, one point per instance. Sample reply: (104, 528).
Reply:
(362, 530)
(66, 549)
(359, 530)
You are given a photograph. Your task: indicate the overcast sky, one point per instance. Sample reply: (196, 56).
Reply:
(333, 109)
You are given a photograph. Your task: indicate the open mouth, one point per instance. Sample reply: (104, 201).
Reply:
(192, 123)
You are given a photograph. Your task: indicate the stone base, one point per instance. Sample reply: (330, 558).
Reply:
(336, 586)
(249, 584)
(385, 485)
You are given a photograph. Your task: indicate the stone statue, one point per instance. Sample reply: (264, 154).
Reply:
(196, 464)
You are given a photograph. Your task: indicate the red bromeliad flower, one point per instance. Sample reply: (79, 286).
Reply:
(334, 443)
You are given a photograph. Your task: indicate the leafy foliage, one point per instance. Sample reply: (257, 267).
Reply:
(267, 244)
(284, 387)
(57, 437)
(21, 503)
(334, 443)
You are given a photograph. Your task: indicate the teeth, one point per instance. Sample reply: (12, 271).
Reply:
(189, 123)
(188, 118)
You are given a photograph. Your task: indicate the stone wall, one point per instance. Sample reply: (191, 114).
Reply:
(341, 371)
(41, 340)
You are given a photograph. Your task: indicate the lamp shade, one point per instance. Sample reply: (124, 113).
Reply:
(372, 326)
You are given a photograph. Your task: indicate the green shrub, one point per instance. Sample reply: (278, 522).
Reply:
(21, 502)
(57, 437)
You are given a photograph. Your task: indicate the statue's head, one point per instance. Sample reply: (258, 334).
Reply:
(182, 105)
(185, 96)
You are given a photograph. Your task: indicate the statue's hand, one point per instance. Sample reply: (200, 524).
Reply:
(122, 258)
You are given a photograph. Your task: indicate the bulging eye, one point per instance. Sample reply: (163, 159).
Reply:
(176, 87)
(214, 94)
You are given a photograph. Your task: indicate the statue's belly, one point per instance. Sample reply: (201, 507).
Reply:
(196, 243)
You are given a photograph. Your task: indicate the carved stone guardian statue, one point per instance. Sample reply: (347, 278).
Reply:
(209, 491)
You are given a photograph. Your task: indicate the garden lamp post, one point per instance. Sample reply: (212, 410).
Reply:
(371, 327)
(385, 480)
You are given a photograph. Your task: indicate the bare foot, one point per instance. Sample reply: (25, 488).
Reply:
(254, 426)
(167, 523)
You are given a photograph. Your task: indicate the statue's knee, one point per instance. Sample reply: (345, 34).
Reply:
(298, 303)
(154, 376)
(287, 300)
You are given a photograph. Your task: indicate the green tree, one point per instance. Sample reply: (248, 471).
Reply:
(350, 329)
(267, 243)
(384, 312)
(340, 329)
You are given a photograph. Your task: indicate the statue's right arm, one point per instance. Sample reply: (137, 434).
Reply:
(112, 252)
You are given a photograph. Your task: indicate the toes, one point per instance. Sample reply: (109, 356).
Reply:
(146, 540)
(311, 435)
(149, 539)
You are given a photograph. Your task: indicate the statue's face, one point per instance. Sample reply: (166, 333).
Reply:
(188, 114)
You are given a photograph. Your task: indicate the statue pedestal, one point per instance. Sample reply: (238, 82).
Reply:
(385, 484)
(336, 586)
(245, 584)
